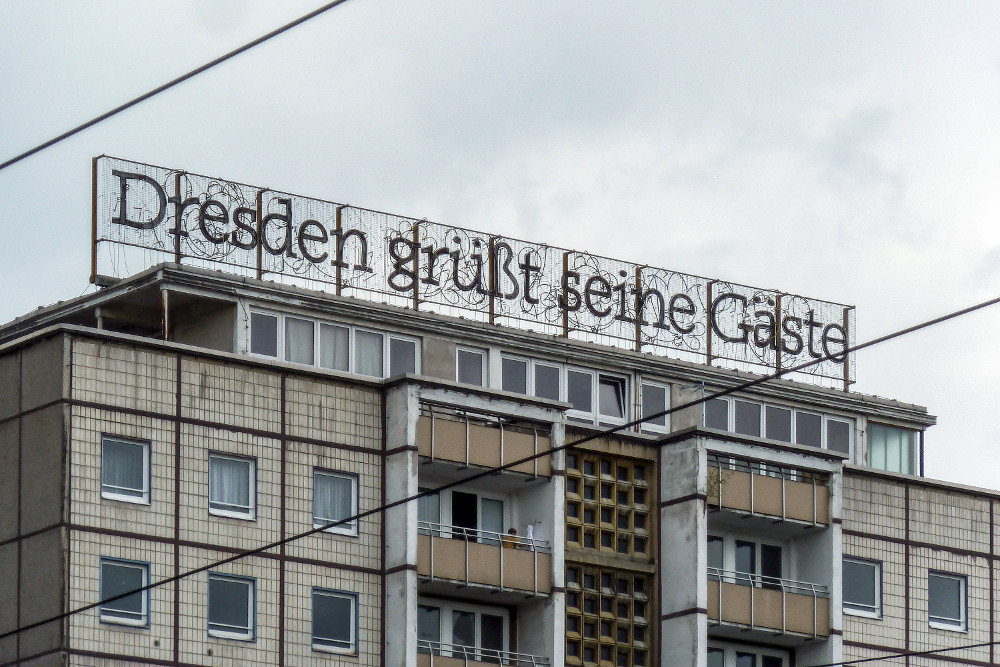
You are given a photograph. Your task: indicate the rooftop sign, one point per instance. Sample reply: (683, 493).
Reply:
(145, 214)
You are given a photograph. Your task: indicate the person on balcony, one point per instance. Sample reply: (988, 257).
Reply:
(510, 539)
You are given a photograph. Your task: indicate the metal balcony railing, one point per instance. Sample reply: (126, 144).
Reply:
(770, 603)
(762, 488)
(484, 557)
(483, 537)
(471, 654)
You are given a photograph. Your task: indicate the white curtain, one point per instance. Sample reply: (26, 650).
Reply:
(299, 339)
(333, 498)
(122, 469)
(368, 353)
(229, 483)
(334, 347)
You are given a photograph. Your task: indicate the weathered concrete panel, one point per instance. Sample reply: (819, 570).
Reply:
(43, 467)
(9, 454)
(438, 358)
(8, 593)
(44, 377)
(214, 329)
(10, 384)
(43, 589)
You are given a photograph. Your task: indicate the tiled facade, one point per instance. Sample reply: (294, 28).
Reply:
(687, 546)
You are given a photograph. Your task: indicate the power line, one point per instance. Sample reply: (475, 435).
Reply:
(170, 84)
(906, 654)
(487, 472)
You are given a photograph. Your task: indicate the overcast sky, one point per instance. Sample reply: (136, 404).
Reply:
(845, 151)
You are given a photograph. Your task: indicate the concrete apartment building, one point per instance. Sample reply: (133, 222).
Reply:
(180, 416)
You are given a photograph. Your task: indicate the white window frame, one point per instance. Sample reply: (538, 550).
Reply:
(483, 366)
(446, 608)
(960, 624)
(108, 614)
(855, 609)
(824, 420)
(328, 645)
(247, 633)
(250, 512)
(914, 450)
(729, 652)
(387, 337)
(108, 491)
(351, 527)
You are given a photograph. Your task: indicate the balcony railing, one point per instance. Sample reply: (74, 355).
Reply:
(469, 438)
(441, 654)
(768, 603)
(768, 489)
(472, 556)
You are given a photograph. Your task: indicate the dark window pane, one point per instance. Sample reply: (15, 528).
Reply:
(428, 623)
(515, 376)
(717, 414)
(547, 382)
(580, 391)
(746, 660)
(491, 632)
(654, 400)
(838, 436)
(808, 429)
(228, 603)
(746, 560)
(747, 418)
(402, 356)
(779, 423)
(333, 617)
(118, 578)
(470, 367)
(715, 552)
(716, 657)
(264, 334)
(770, 661)
(612, 396)
(944, 597)
(860, 585)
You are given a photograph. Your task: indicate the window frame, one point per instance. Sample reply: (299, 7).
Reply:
(915, 448)
(447, 607)
(939, 622)
(329, 647)
(350, 528)
(483, 365)
(640, 406)
(318, 323)
(825, 419)
(251, 631)
(111, 494)
(857, 609)
(251, 513)
(109, 616)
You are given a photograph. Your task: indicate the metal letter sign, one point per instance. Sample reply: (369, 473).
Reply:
(144, 215)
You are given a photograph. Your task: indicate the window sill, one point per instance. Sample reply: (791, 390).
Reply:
(951, 627)
(232, 515)
(132, 500)
(322, 648)
(219, 634)
(126, 622)
(344, 532)
(862, 613)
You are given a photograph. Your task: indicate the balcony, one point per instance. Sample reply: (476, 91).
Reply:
(458, 436)
(777, 606)
(475, 557)
(439, 654)
(768, 490)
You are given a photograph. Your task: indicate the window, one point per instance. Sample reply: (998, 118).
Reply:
(124, 470)
(231, 607)
(946, 600)
(892, 449)
(467, 631)
(655, 398)
(232, 486)
(339, 347)
(745, 562)
(122, 576)
(862, 587)
(780, 423)
(334, 621)
(743, 656)
(471, 366)
(596, 397)
(335, 497)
